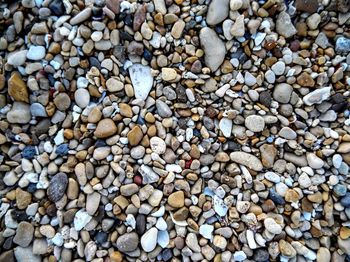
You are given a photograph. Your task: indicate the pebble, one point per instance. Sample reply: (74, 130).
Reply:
(149, 240)
(248, 160)
(282, 93)
(81, 16)
(105, 128)
(142, 80)
(284, 25)
(24, 234)
(225, 126)
(217, 11)
(36, 53)
(19, 113)
(17, 89)
(255, 123)
(209, 41)
(57, 187)
(342, 45)
(82, 97)
(17, 58)
(317, 96)
(127, 242)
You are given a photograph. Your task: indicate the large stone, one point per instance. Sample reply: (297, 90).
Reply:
(309, 6)
(24, 234)
(284, 25)
(127, 242)
(142, 80)
(209, 42)
(19, 113)
(248, 160)
(217, 11)
(17, 89)
(105, 128)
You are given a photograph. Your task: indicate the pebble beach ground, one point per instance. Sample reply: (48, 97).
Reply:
(174, 130)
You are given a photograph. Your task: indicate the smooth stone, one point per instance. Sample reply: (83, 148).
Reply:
(246, 159)
(127, 242)
(149, 176)
(209, 42)
(92, 203)
(177, 199)
(82, 97)
(317, 96)
(282, 93)
(271, 225)
(105, 128)
(17, 58)
(17, 88)
(19, 113)
(225, 126)
(206, 231)
(142, 80)
(217, 11)
(163, 109)
(81, 16)
(57, 187)
(157, 145)
(149, 240)
(38, 110)
(238, 28)
(25, 254)
(24, 234)
(163, 238)
(36, 53)
(342, 45)
(287, 133)
(284, 25)
(255, 123)
(81, 219)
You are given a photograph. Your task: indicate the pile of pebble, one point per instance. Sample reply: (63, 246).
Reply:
(174, 130)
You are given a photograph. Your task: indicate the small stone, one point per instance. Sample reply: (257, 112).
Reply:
(57, 187)
(225, 126)
(168, 74)
(287, 133)
(342, 45)
(24, 234)
(238, 28)
(317, 96)
(127, 242)
(271, 225)
(178, 29)
(177, 199)
(17, 88)
(305, 80)
(82, 97)
(314, 161)
(105, 128)
(149, 240)
(25, 254)
(38, 110)
(81, 219)
(255, 123)
(210, 41)
(141, 79)
(217, 11)
(163, 109)
(219, 242)
(62, 101)
(248, 160)
(284, 25)
(278, 68)
(157, 145)
(114, 85)
(282, 93)
(81, 16)
(135, 136)
(313, 21)
(286, 249)
(19, 113)
(36, 53)
(92, 203)
(23, 198)
(206, 231)
(309, 6)
(17, 58)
